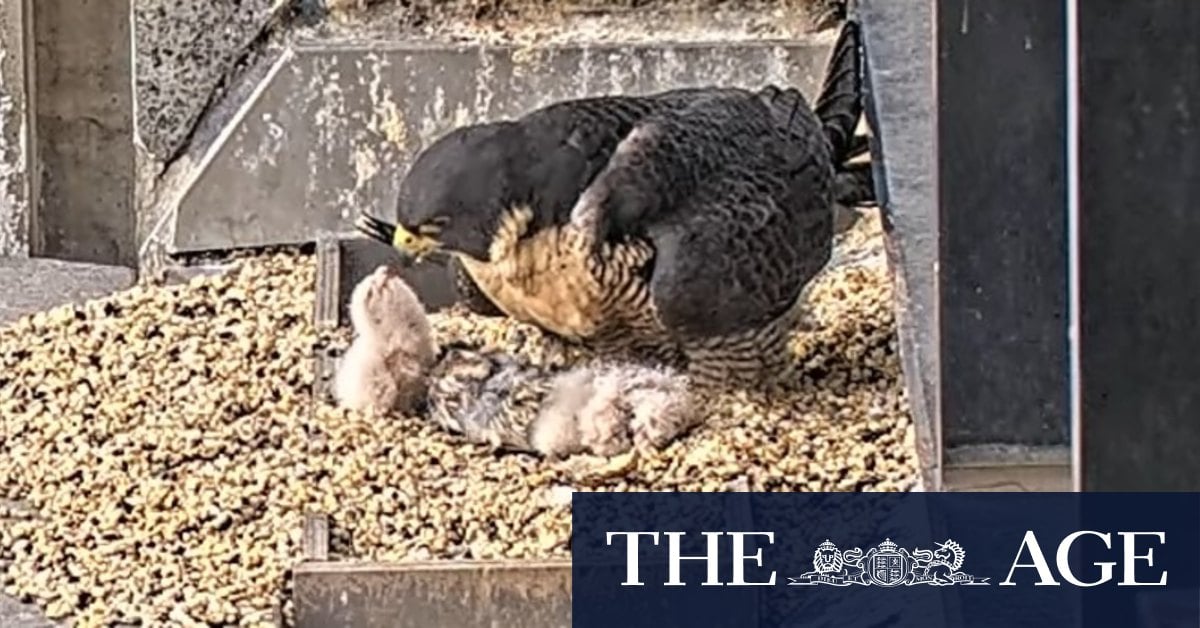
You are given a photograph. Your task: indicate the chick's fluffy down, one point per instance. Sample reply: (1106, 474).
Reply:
(393, 364)
(610, 409)
(386, 366)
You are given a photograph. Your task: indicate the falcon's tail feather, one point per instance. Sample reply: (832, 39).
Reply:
(839, 105)
(855, 185)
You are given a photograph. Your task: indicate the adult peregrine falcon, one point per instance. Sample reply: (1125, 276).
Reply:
(684, 223)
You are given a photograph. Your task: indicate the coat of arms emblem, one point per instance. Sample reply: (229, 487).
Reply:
(888, 565)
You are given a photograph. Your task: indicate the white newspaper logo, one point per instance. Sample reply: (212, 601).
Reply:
(888, 565)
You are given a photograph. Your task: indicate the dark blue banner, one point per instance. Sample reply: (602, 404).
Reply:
(867, 560)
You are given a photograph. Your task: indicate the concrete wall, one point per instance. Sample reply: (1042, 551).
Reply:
(84, 131)
(223, 90)
(66, 128)
(101, 142)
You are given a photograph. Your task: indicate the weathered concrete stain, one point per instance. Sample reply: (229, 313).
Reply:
(15, 185)
(385, 118)
(267, 150)
(366, 166)
(353, 118)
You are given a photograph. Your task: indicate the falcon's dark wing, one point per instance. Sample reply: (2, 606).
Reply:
(666, 156)
(736, 191)
(566, 144)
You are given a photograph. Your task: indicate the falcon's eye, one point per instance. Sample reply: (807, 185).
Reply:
(433, 226)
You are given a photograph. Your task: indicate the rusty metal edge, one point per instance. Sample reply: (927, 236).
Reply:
(348, 566)
(1007, 468)
(315, 537)
(329, 262)
(319, 45)
(965, 456)
(468, 575)
(326, 315)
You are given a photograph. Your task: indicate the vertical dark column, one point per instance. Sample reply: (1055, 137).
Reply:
(1001, 101)
(84, 124)
(1139, 228)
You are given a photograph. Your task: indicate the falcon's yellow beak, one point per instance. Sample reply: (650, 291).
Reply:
(413, 244)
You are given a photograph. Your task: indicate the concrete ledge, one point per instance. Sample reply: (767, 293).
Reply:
(32, 285)
(16, 615)
(1007, 468)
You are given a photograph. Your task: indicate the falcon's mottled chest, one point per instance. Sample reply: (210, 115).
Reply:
(552, 279)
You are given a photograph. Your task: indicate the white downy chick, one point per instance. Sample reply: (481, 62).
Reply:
(386, 366)
(607, 410)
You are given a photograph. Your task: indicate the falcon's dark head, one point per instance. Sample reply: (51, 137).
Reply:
(454, 194)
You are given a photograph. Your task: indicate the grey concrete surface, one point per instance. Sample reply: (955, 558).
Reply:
(14, 614)
(84, 132)
(34, 284)
(15, 189)
(185, 51)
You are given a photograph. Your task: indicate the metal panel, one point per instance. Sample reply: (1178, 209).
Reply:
(463, 594)
(332, 129)
(1138, 226)
(532, 595)
(1001, 103)
(431, 280)
(899, 77)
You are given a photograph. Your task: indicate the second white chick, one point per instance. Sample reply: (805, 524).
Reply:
(610, 409)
